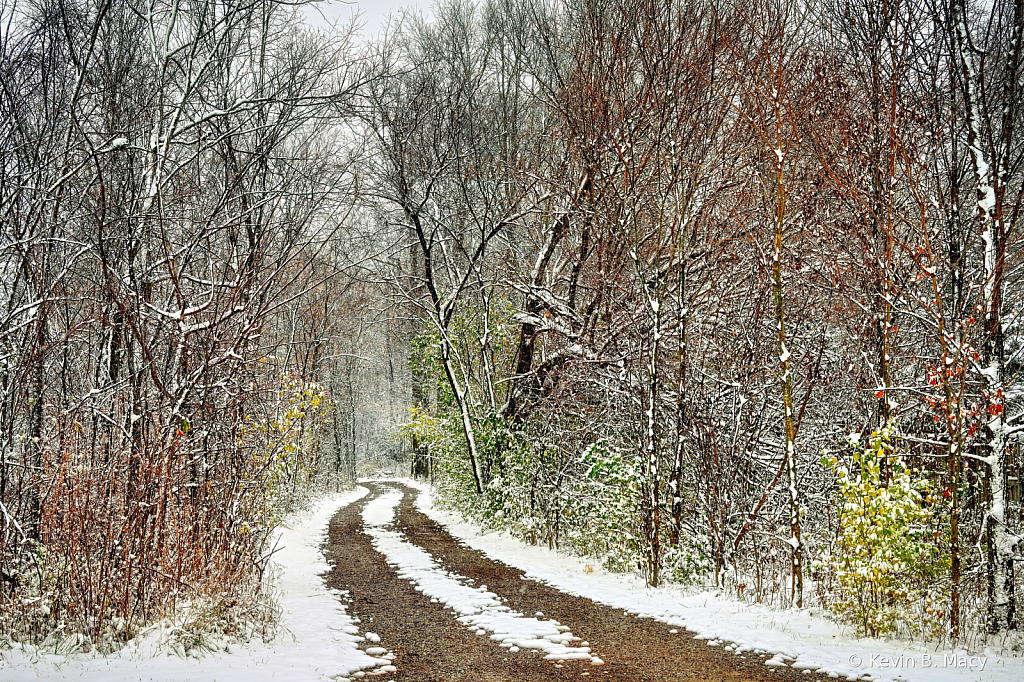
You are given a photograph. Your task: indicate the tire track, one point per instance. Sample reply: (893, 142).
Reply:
(430, 646)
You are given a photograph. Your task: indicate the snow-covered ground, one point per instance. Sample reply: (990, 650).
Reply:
(478, 609)
(799, 639)
(317, 640)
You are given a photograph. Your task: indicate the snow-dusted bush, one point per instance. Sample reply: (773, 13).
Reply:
(286, 443)
(613, 491)
(165, 534)
(886, 559)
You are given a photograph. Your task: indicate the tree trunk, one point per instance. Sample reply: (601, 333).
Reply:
(786, 386)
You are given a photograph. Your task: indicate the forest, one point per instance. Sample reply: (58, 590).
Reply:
(723, 292)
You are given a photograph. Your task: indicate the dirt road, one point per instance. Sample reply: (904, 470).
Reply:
(430, 645)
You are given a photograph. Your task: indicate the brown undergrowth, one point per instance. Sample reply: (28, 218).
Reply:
(168, 531)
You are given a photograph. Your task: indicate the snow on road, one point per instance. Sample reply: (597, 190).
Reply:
(317, 640)
(478, 609)
(801, 639)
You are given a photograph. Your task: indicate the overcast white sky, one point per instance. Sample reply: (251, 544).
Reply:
(374, 13)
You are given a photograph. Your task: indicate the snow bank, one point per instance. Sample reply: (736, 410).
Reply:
(316, 641)
(800, 639)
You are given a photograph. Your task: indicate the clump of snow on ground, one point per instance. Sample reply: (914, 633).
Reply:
(316, 640)
(478, 609)
(799, 639)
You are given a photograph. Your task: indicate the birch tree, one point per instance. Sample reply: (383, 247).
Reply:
(989, 62)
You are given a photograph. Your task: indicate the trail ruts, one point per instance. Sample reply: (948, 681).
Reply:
(431, 645)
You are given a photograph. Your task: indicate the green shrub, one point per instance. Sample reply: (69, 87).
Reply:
(886, 558)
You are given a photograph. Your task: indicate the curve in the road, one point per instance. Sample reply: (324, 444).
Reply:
(431, 645)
